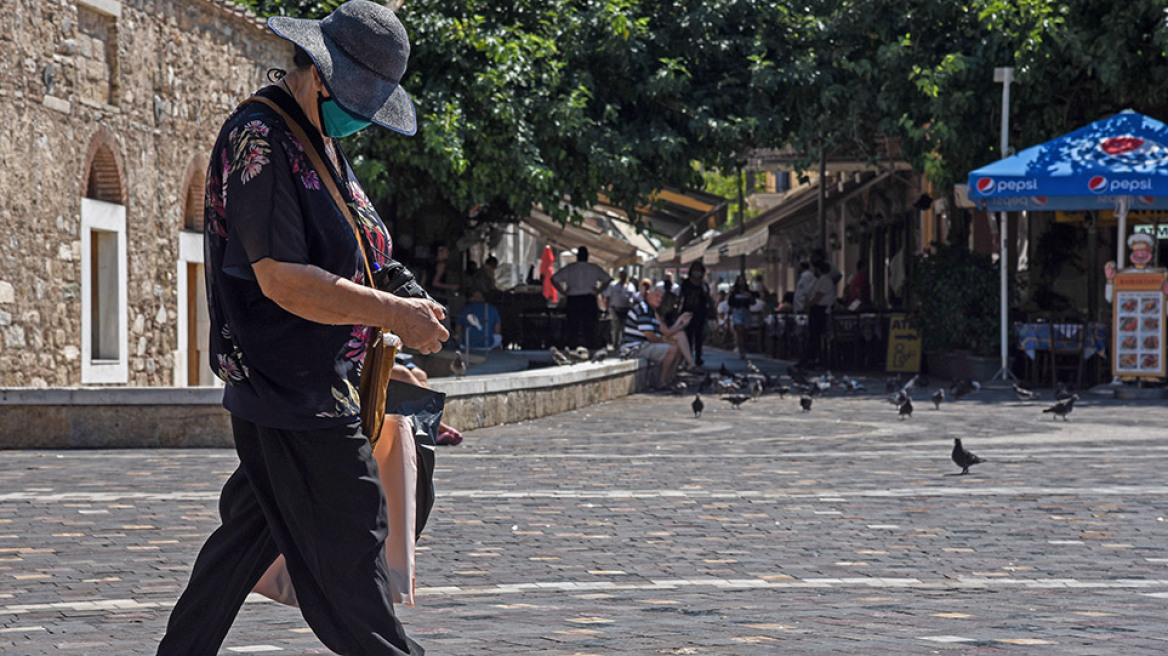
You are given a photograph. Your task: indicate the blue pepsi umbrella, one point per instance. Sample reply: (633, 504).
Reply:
(1120, 163)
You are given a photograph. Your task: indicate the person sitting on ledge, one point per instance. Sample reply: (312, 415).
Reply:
(485, 331)
(644, 338)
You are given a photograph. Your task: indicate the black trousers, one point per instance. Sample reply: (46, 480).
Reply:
(582, 325)
(314, 496)
(695, 332)
(816, 332)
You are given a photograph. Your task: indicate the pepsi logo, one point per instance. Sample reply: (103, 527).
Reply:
(985, 185)
(1097, 184)
(1120, 145)
(1039, 200)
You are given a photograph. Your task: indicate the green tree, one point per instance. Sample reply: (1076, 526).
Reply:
(530, 103)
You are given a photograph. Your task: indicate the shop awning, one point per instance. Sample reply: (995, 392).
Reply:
(606, 251)
(751, 242)
(694, 251)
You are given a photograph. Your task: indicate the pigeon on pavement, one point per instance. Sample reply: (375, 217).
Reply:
(736, 400)
(960, 388)
(756, 389)
(938, 398)
(797, 375)
(559, 358)
(1062, 408)
(783, 390)
(1024, 394)
(697, 405)
(805, 403)
(458, 365)
(963, 457)
(750, 366)
(906, 408)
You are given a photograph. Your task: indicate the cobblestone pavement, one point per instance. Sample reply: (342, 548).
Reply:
(632, 528)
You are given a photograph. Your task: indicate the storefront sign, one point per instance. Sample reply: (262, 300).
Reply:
(1150, 229)
(1138, 324)
(904, 346)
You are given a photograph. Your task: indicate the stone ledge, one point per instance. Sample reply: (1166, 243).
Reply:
(177, 417)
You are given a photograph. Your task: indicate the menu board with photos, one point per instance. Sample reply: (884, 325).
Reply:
(1139, 324)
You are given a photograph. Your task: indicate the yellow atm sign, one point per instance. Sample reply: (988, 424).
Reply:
(904, 346)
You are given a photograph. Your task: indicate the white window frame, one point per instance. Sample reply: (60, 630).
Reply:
(106, 217)
(190, 251)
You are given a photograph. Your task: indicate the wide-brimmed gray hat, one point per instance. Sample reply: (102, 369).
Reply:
(361, 50)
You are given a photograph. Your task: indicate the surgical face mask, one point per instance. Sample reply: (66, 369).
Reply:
(336, 122)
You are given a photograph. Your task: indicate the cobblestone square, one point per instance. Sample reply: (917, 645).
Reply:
(632, 528)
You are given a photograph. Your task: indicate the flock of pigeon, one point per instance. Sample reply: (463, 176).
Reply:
(738, 388)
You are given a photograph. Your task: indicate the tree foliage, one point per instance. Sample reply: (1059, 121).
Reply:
(532, 102)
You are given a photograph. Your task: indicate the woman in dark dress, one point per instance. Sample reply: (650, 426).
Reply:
(695, 299)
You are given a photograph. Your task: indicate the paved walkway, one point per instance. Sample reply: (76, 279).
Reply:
(631, 528)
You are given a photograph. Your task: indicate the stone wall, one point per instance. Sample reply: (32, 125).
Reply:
(148, 82)
(81, 418)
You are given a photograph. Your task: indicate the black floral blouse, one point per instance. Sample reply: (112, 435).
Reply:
(265, 200)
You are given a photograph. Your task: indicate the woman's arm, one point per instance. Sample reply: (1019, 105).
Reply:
(314, 294)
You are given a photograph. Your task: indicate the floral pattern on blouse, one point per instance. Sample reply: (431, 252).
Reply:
(263, 200)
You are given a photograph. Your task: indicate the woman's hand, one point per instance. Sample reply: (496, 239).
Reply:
(416, 322)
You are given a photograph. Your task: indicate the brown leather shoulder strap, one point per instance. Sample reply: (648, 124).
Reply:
(322, 171)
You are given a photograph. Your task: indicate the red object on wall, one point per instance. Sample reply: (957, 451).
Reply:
(546, 260)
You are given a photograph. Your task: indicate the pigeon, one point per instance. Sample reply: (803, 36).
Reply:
(963, 457)
(580, 354)
(678, 388)
(797, 375)
(960, 388)
(898, 398)
(723, 371)
(783, 390)
(752, 368)
(1061, 392)
(458, 366)
(756, 389)
(938, 398)
(906, 408)
(697, 405)
(736, 400)
(1062, 408)
(805, 403)
(854, 385)
(1024, 394)
(599, 355)
(727, 386)
(559, 358)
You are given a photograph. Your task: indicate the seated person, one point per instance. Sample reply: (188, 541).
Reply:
(643, 333)
(488, 334)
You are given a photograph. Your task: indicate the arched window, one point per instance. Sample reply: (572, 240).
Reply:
(104, 326)
(194, 182)
(194, 324)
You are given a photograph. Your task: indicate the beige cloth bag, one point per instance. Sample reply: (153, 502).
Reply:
(397, 465)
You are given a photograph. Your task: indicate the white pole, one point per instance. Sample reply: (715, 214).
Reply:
(1005, 76)
(1121, 235)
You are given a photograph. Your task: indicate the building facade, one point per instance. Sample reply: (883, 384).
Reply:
(112, 106)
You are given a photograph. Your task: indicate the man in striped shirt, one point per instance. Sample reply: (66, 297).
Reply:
(643, 334)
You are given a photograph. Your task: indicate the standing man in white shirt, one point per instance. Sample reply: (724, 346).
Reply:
(820, 299)
(618, 298)
(581, 281)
